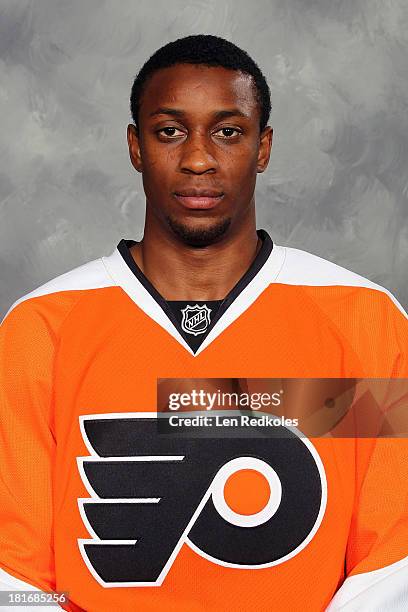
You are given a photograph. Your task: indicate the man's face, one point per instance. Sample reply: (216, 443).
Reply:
(199, 149)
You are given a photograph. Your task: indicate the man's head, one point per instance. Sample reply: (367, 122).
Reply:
(200, 107)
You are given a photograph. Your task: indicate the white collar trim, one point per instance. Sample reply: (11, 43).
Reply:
(118, 269)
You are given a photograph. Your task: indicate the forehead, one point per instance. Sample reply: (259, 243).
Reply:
(191, 86)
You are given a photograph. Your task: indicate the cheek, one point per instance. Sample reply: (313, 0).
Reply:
(242, 173)
(158, 167)
(157, 159)
(241, 160)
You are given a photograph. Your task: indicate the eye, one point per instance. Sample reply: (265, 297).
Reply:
(169, 131)
(227, 132)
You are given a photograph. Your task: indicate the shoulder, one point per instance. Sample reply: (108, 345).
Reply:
(57, 296)
(304, 269)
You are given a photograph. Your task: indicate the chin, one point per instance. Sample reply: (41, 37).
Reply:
(199, 236)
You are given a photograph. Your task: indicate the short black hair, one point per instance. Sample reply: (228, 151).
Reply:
(207, 50)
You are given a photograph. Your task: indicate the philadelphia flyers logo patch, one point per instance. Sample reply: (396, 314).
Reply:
(151, 493)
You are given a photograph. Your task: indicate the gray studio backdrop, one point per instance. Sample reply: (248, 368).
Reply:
(337, 183)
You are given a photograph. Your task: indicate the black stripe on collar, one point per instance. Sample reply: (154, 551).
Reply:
(262, 256)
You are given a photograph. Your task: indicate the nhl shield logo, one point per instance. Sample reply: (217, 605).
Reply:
(196, 319)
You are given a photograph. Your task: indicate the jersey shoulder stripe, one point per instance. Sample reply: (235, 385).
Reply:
(285, 266)
(91, 275)
(306, 269)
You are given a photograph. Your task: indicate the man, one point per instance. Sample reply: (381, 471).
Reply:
(94, 499)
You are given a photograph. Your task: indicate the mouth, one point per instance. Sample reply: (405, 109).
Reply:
(199, 199)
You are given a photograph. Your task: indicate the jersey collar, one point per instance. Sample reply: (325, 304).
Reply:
(126, 274)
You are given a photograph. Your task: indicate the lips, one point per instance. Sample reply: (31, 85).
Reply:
(202, 199)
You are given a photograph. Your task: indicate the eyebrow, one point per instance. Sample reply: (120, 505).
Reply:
(220, 114)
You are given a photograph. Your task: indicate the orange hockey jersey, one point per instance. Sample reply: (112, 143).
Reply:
(95, 502)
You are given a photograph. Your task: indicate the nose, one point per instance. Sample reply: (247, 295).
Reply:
(197, 156)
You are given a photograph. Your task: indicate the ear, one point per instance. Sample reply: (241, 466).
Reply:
(265, 147)
(134, 147)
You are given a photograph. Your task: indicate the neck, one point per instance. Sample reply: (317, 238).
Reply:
(182, 272)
